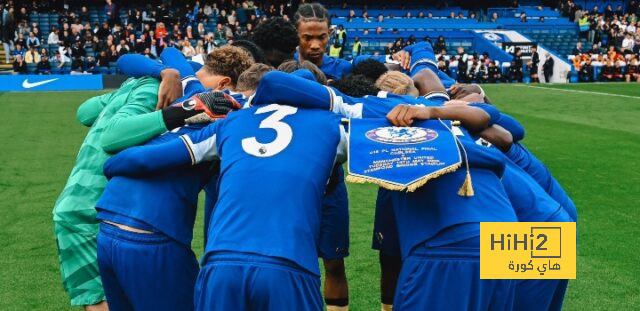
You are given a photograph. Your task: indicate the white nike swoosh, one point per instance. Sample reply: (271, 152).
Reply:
(27, 85)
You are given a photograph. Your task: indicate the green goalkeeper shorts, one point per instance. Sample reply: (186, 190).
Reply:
(77, 253)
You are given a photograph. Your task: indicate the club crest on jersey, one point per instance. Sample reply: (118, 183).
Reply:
(189, 104)
(401, 135)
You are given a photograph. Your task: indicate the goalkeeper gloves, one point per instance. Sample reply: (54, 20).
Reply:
(200, 108)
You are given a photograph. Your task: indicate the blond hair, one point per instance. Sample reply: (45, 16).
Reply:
(395, 82)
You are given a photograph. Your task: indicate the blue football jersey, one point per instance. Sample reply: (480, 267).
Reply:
(275, 164)
(521, 156)
(165, 200)
(333, 68)
(530, 202)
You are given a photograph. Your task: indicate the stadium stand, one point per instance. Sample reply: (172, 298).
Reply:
(197, 27)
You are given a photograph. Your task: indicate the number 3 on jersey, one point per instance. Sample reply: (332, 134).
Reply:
(284, 134)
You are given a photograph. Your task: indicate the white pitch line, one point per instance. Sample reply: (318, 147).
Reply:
(578, 91)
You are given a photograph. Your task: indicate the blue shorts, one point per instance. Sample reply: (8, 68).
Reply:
(448, 278)
(334, 225)
(385, 233)
(241, 281)
(542, 294)
(145, 271)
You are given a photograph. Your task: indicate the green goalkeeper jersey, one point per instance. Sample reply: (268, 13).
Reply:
(120, 119)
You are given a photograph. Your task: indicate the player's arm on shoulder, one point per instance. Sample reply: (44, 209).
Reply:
(137, 65)
(287, 89)
(473, 118)
(185, 83)
(498, 137)
(89, 111)
(136, 121)
(144, 160)
(519, 155)
(512, 125)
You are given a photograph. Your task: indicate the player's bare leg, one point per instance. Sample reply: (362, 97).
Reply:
(100, 306)
(389, 271)
(336, 288)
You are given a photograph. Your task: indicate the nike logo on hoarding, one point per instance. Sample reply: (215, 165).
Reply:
(27, 85)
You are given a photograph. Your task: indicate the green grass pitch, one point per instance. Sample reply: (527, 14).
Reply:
(588, 135)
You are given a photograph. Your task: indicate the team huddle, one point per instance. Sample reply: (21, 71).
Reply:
(259, 127)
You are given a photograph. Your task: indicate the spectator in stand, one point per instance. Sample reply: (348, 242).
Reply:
(60, 60)
(20, 40)
(200, 48)
(585, 72)
(44, 67)
(388, 50)
(19, 50)
(103, 59)
(32, 56)
(608, 71)
(365, 16)
(494, 17)
(103, 32)
(397, 46)
(633, 71)
(161, 33)
(482, 74)
(53, 36)
(494, 73)
(443, 65)
(33, 41)
(77, 50)
(628, 42)
(219, 36)
(111, 11)
(472, 71)
(578, 49)
(113, 53)
(440, 45)
(187, 49)
(201, 31)
(19, 65)
(44, 52)
(90, 65)
(77, 67)
(523, 17)
(547, 68)
(122, 48)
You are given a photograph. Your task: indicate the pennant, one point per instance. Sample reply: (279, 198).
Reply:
(400, 158)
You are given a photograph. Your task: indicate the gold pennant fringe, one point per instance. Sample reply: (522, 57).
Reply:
(466, 190)
(367, 180)
(422, 181)
(395, 187)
